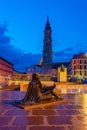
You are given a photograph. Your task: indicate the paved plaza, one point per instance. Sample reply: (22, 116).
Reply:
(63, 116)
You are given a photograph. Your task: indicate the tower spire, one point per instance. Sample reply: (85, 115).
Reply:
(47, 48)
(47, 27)
(48, 20)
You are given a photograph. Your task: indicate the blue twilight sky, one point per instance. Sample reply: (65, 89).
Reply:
(22, 24)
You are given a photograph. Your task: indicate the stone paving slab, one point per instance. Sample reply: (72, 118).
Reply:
(50, 103)
(63, 116)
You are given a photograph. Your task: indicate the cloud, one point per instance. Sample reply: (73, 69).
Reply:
(64, 55)
(3, 38)
(20, 59)
(70, 49)
(23, 60)
(26, 60)
(81, 47)
(67, 53)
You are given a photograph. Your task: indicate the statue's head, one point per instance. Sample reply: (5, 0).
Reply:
(35, 76)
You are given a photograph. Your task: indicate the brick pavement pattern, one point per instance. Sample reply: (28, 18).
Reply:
(65, 116)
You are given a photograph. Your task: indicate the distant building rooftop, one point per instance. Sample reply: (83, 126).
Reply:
(81, 55)
(5, 60)
(56, 65)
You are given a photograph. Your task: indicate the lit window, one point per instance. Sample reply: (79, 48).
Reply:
(80, 72)
(74, 61)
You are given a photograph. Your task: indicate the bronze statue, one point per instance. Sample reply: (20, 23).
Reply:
(36, 93)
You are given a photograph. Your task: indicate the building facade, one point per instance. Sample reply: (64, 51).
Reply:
(34, 69)
(78, 66)
(6, 71)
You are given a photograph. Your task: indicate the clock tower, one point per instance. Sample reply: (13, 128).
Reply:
(47, 47)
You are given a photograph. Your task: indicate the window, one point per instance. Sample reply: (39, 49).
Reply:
(80, 61)
(80, 72)
(85, 73)
(74, 72)
(80, 66)
(85, 66)
(74, 67)
(85, 61)
(74, 61)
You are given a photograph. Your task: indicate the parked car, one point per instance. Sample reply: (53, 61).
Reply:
(84, 81)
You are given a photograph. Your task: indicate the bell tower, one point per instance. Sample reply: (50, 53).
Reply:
(47, 47)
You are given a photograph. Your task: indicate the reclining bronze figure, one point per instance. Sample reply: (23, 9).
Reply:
(36, 92)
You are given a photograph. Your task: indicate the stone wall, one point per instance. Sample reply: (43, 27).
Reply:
(71, 88)
(24, 84)
(60, 87)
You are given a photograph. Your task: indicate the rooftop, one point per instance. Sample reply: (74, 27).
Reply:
(81, 55)
(6, 61)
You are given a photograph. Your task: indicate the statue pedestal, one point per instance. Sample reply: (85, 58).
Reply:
(46, 103)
